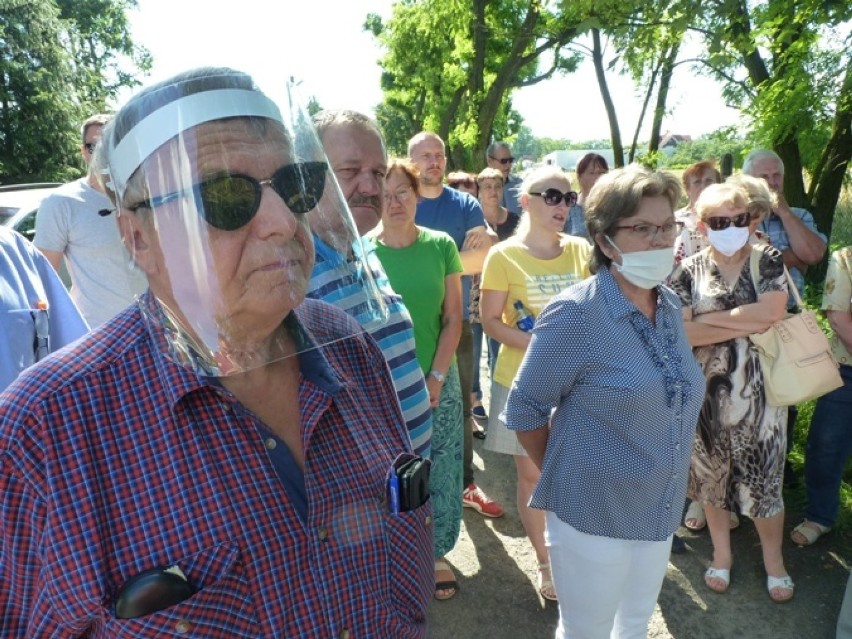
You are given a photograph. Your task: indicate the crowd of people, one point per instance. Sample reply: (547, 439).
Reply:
(254, 412)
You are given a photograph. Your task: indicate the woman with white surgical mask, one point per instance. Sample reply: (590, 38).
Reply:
(605, 404)
(738, 456)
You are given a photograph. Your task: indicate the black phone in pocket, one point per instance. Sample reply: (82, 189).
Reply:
(413, 483)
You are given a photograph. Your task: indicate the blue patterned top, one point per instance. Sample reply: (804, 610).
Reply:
(627, 395)
(774, 228)
(332, 281)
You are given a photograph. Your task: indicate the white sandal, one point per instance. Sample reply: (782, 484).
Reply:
(695, 513)
(545, 586)
(810, 531)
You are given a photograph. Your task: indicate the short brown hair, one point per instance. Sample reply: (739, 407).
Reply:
(618, 195)
(694, 170)
(408, 169)
(716, 196)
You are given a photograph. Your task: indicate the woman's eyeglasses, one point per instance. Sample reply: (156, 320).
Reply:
(649, 231)
(503, 161)
(400, 195)
(468, 184)
(721, 223)
(229, 202)
(552, 197)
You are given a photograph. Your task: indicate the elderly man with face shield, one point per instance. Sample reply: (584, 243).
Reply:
(226, 457)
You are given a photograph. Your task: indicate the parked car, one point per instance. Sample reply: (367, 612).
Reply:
(19, 205)
(18, 209)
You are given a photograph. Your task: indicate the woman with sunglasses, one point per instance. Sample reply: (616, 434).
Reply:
(424, 267)
(605, 404)
(760, 202)
(520, 275)
(738, 456)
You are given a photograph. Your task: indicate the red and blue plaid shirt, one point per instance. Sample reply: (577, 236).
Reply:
(115, 460)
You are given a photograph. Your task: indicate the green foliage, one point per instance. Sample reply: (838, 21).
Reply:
(60, 61)
(451, 65)
(712, 146)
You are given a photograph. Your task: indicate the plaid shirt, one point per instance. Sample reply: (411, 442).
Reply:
(115, 460)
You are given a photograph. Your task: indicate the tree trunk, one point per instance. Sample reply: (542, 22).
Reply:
(825, 190)
(662, 96)
(609, 105)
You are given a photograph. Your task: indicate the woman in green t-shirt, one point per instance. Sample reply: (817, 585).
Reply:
(424, 267)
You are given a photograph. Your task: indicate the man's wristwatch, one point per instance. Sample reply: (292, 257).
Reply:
(438, 375)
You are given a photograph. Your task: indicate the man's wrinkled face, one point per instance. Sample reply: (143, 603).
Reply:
(359, 161)
(428, 156)
(770, 170)
(242, 280)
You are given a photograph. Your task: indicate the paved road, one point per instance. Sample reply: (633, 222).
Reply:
(497, 598)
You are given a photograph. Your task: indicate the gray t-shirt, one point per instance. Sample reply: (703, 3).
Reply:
(102, 279)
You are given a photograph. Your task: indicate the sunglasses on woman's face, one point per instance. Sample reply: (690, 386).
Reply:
(552, 197)
(721, 223)
(230, 201)
(468, 184)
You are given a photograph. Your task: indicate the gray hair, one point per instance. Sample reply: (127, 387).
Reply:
(618, 195)
(758, 155)
(324, 120)
(496, 145)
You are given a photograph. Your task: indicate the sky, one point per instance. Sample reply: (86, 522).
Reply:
(321, 44)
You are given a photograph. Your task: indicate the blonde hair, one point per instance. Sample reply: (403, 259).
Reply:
(761, 199)
(716, 196)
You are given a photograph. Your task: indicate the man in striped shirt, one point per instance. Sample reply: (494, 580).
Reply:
(357, 155)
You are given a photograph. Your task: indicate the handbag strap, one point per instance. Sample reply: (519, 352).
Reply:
(754, 268)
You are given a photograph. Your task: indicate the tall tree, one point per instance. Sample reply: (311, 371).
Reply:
(46, 92)
(788, 63)
(451, 66)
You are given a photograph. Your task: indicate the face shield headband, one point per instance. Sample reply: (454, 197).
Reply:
(198, 162)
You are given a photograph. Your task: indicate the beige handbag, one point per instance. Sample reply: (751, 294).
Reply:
(795, 357)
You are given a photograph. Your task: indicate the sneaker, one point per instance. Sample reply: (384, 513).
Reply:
(473, 497)
(479, 412)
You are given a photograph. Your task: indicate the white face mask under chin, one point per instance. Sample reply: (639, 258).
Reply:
(728, 241)
(645, 269)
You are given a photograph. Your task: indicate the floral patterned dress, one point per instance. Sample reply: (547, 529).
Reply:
(740, 443)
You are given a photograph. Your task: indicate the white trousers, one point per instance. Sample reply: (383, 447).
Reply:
(607, 588)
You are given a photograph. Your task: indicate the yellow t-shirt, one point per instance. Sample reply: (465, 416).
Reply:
(837, 295)
(509, 267)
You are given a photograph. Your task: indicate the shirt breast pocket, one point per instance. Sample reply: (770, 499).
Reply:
(221, 605)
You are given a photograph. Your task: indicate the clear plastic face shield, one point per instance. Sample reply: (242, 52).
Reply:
(218, 189)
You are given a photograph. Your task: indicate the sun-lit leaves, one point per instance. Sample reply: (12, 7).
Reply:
(60, 61)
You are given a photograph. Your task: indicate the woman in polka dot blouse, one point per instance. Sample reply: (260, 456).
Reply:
(610, 355)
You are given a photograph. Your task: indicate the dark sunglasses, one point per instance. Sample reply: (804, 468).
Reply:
(229, 202)
(90, 146)
(721, 223)
(457, 183)
(503, 161)
(552, 197)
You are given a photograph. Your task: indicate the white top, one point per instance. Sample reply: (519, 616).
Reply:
(102, 279)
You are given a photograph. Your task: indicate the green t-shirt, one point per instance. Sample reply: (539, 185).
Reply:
(417, 273)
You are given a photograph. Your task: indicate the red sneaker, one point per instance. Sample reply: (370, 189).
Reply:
(474, 497)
